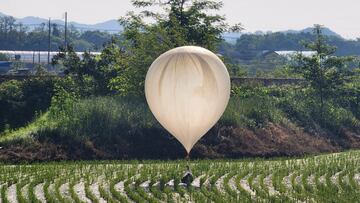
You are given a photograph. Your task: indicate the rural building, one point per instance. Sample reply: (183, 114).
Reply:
(34, 56)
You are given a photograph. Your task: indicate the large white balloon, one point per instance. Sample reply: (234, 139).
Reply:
(187, 89)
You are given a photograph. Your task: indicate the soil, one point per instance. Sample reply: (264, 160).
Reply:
(274, 140)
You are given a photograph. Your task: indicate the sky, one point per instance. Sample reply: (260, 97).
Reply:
(266, 15)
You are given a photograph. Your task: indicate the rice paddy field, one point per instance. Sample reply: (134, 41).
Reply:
(324, 178)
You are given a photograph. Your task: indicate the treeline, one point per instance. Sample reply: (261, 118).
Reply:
(254, 54)
(16, 36)
(287, 41)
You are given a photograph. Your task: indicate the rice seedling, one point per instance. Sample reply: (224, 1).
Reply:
(325, 178)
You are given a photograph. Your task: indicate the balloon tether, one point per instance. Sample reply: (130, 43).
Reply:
(187, 158)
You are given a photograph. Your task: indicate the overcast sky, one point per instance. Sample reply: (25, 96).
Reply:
(341, 16)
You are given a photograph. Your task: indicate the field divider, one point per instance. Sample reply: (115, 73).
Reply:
(11, 194)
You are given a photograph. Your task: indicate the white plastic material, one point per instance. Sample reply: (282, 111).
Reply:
(187, 89)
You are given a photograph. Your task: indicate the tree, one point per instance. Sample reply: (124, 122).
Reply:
(324, 72)
(4, 57)
(15, 66)
(40, 70)
(90, 71)
(181, 22)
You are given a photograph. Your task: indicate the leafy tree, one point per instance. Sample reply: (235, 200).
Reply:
(351, 94)
(181, 22)
(15, 66)
(40, 70)
(20, 101)
(90, 71)
(4, 57)
(325, 73)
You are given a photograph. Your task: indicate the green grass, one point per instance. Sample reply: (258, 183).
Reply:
(25, 133)
(106, 116)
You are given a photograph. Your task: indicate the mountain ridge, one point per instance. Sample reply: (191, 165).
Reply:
(113, 26)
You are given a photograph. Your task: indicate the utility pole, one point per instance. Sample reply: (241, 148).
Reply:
(65, 31)
(49, 45)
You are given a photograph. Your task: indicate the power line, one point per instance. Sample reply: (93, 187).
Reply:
(49, 46)
(76, 27)
(65, 31)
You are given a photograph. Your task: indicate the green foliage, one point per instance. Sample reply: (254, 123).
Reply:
(92, 72)
(66, 94)
(183, 22)
(254, 112)
(15, 66)
(298, 106)
(325, 73)
(40, 70)
(350, 96)
(315, 178)
(277, 41)
(106, 117)
(253, 106)
(101, 117)
(20, 101)
(4, 57)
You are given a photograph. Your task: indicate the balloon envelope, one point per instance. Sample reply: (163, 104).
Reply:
(187, 89)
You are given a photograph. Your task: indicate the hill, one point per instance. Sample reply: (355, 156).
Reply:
(326, 31)
(111, 26)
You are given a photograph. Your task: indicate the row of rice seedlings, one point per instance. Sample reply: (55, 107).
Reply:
(244, 196)
(256, 182)
(213, 191)
(155, 187)
(72, 191)
(89, 193)
(31, 189)
(49, 195)
(20, 196)
(326, 168)
(138, 180)
(3, 193)
(57, 185)
(344, 189)
(104, 193)
(131, 193)
(233, 193)
(116, 194)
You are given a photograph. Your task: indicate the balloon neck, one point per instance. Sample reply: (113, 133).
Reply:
(187, 158)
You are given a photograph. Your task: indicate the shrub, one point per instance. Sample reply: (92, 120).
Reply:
(101, 116)
(20, 101)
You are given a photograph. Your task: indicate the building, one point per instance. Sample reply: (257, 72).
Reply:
(290, 54)
(35, 56)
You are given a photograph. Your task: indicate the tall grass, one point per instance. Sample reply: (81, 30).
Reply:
(107, 116)
(103, 116)
(251, 112)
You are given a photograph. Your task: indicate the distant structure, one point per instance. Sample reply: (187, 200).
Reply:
(35, 56)
(290, 54)
(249, 55)
(238, 81)
(27, 60)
